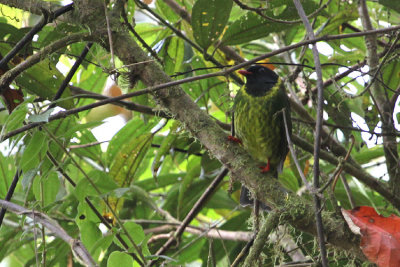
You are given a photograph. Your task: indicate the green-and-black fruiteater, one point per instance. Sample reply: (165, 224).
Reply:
(258, 120)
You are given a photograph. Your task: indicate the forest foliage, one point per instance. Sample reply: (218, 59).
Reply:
(122, 199)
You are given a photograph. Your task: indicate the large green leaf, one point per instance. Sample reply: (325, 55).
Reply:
(119, 259)
(35, 149)
(101, 181)
(128, 159)
(252, 26)
(46, 189)
(209, 18)
(390, 4)
(176, 51)
(131, 130)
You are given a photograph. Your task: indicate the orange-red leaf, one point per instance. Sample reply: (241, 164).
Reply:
(380, 236)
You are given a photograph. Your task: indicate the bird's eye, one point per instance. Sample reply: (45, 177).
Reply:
(261, 70)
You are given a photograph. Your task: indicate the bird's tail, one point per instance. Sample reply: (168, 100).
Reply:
(246, 199)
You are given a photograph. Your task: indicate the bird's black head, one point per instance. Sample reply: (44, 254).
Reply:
(259, 80)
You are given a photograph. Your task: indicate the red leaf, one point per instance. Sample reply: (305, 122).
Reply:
(380, 236)
(12, 98)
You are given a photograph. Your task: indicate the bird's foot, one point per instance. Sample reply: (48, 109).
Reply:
(234, 139)
(265, 168)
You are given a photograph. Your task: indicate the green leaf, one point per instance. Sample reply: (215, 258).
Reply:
(102, 181)
(93, 152)
(390, 4)
(59, 128)
(164, 147)
(85, 213)
(101, 245)
(7, 170)
(193, 171)
(391, 75)
(366, 154)
(135, 193)
(252, 26)
(130, 131)
(135, 232)
(209, 164)
(46, 189)
(28, 177)
(90, 233)
(150, 184)
(167, 12)
(119, 259)
(128, 158)
(176, 51)
(37, 145)
(192, 252)
(17, 117)
(346, 15)
(209, 18)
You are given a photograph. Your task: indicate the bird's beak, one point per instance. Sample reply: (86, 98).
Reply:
(245, 72)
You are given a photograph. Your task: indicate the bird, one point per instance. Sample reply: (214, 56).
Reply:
(258, 121)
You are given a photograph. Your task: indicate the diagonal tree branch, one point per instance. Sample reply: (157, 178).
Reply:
(77, 247)
(382, 101)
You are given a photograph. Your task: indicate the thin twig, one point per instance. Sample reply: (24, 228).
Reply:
(70, 74)
(348, 191)
(110, 40)
(10, 193)
(381, 64)
(228, 51)
(293, 153)
(318, 129)
(354, 170)
(345, 159)
(342, 127)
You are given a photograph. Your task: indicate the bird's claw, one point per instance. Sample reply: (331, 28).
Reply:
(265, 168)
(234, 139)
